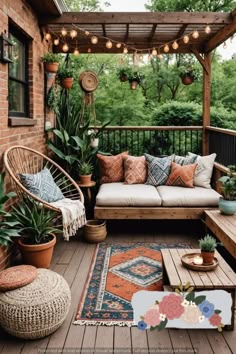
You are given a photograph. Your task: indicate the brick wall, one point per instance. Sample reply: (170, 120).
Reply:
(21, 14)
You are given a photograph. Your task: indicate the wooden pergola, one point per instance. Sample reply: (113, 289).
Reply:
(143, 31)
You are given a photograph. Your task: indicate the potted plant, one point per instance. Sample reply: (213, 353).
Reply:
(65, 76)
(135, 78)
(85, 172)
(37, 235)
(208, 245)
(123, 73)
(95, 133)
(227, 203)
(51, 62)
(188, 74)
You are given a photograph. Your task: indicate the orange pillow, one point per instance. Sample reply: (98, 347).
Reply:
(111, 168)
(181, 175)
(135, 169)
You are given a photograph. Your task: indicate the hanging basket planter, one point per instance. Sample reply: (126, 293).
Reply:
(67, 82)
(134, 85)
(187, 79)
(51, 67)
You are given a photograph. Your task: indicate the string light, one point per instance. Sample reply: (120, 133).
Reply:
(225, 45)
(118, 45)
(64, 32)
(166, 48)
(207, 29)
(94, 39)
(48, 36)
(87, 33)
(154, 52)
(56, 41)
(65, 47)
(89, 50)
(109, 44)
(186, 39)
(73, 33)
(175, 45)
(76, 52)
(125, 50)
(195, 34)
(141, 56)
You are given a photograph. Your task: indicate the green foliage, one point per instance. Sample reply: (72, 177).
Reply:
(34, 222)
(65, 72)
(228, 184)
(136, 75)
(124, 72)
(8, 228)
(191, 5)
(208, 244)
(51, 58)
(191, 71)
(85, 168)
(86, 5)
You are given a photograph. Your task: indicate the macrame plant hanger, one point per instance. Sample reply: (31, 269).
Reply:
(88, 81)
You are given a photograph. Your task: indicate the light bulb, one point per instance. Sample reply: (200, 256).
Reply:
(175, 45)
(48, 36)
(154, 52)
(76, 51)
(87, 33)
(166, 48)
(118, 45)
(224, 45)
(73, 33)
(64, 32)
(56, 41)
(141, 56)
(195, 34)
(186, 39)
(125, 50)
(89, 50)
(94, 39)
(208, 29)
(65, 47)
(109, 44)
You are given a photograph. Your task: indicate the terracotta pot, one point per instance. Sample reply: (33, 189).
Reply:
(39, 256)
(84, 179)
(133, 85)
(95, 231)
(187, 80)
(207, 257)
(51, 67)
(67, 82)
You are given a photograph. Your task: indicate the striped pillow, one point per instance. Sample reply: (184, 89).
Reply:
(181, 175)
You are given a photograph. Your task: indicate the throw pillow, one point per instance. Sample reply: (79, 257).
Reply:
(181, 175)
(203, 172)
(158, 169)
(42, 185)
(135, 169)
(111, 168)
(184, 160)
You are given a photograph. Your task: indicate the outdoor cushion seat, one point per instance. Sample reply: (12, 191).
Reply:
(173, 196)
(125, 195)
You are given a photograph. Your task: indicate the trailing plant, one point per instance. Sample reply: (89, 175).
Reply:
(191, 71)
(85, 168)
(208, 243)
(136, 76)
(124, 72)
(51, 58)
(34, 222)
(228, 184)
(65, 72)
(52, 99)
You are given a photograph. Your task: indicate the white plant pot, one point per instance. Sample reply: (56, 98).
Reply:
(94, 142)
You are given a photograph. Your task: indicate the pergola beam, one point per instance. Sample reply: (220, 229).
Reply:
(104, 30)
(154, 26)
(127, 33)
(182, 30)
(220, 37)
(201, 60)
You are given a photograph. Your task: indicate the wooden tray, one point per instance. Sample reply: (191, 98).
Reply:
(187, 260)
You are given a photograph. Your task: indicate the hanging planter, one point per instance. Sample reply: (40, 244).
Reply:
(51, 62)
(135, 79)
(187, 79)
(133, 84)
(65, 77)
(67, 83)
(188, 74)
(123, 73)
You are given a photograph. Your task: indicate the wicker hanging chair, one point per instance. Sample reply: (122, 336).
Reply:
(21, 159)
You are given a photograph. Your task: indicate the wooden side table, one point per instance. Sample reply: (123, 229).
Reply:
(88, 187)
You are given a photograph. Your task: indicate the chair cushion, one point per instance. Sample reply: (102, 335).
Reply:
(158, 169)
(181, 175)
(203, 172)
(185, 160)
(42, 185)
(120, 194)
(188, 197)
(111, 168)
(135, 169)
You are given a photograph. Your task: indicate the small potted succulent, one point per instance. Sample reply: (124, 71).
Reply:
(65, 77)
(51, 62)
(135, 78)
(123, 73)
(188, 74)
(85, 172)
(208, 245)
(227, 203)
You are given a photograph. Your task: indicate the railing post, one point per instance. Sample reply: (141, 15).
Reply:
(206, 113)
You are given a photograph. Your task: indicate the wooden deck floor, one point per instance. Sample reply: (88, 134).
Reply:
(72, 260)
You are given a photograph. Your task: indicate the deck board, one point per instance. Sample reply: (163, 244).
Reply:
(72, 260)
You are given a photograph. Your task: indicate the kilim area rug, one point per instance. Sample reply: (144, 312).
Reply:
(118, 271)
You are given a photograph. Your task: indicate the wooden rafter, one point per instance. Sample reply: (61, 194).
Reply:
(220, 37)
(182, 30)
(154, 26)
(127, 33)
(201, 60)
(104, 30)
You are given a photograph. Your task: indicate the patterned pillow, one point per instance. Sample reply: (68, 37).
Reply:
(203, 172)
(158, 169)
(42, 185)
(181, 175)
(111, 168)
(184, 160)
(135, 169)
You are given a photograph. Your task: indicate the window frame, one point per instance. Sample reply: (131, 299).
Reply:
(25, 83)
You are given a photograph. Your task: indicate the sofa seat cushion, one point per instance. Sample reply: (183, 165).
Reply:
(188, 197)
(125, 195)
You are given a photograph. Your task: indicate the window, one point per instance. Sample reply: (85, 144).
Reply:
(18, 76)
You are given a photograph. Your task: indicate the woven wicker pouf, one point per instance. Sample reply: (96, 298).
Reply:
(37, 309)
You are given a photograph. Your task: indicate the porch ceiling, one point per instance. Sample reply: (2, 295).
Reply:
(142, 31)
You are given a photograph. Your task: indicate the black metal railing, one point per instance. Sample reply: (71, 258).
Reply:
(155, 140)
(223, 143)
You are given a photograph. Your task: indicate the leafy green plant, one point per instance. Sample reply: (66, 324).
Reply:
(34, 222)
(208, 243)
(191, 71)
(7, 227)
(136, 76)
(65, 72)
(124, 73)
(228, 183)
(85, 168)
(51, 58)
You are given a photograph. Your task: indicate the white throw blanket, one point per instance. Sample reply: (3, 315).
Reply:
(73, 215)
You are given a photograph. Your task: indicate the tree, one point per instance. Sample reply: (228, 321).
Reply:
(86, 5)
(191, 5)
